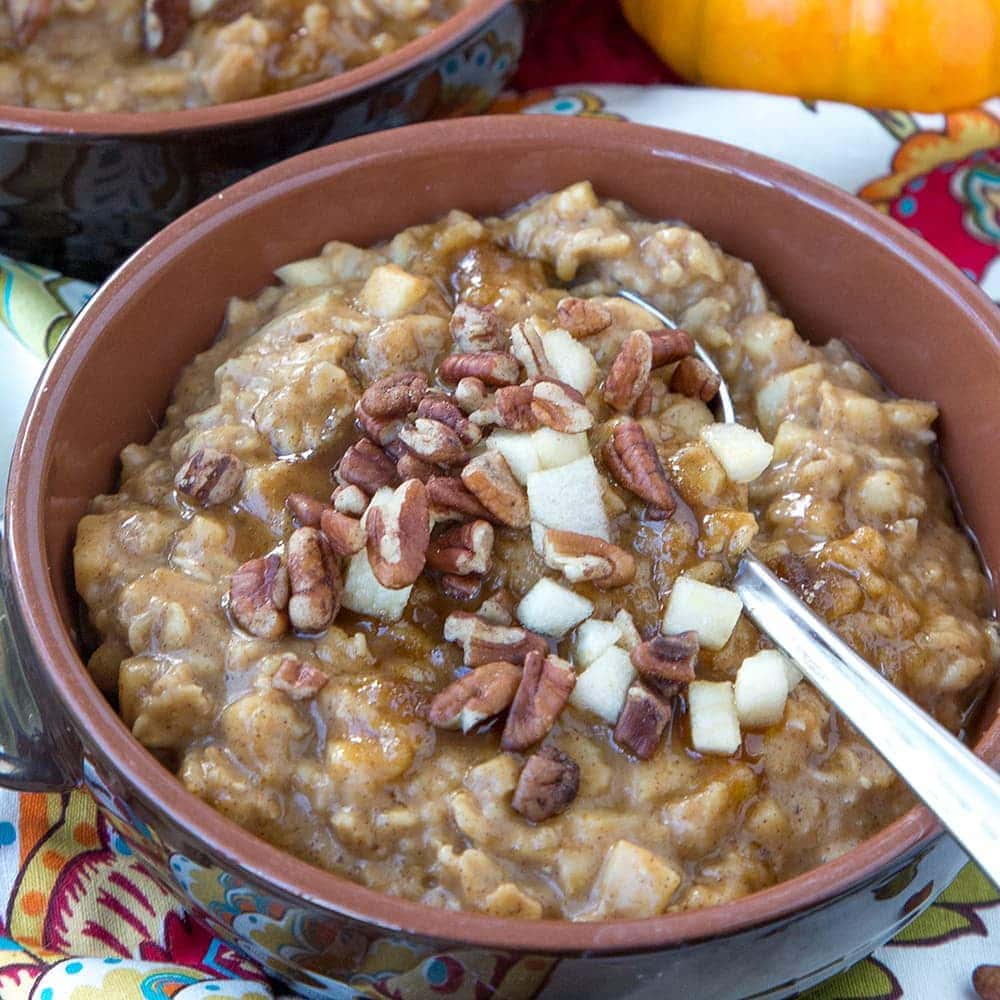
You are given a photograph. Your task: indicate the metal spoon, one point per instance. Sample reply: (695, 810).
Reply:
(959, 788)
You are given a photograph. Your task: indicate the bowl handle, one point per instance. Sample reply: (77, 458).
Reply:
(38, 751)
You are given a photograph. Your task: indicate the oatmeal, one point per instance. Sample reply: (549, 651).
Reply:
(156, 55)
(425, 577)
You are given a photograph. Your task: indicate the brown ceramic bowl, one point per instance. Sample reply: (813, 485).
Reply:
(840, 269)
(79, 192)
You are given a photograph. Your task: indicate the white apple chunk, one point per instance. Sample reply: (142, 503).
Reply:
(630, 634)
(570, 498)
(554, 448)
(603, 686)
(710, 611)
(391, 292)
(366, 596)
(633, 882)
(761, 690)
(518, 449)
(742, 452)
(571, 361)
(305, 273)
(715, 726)
(551, 609)
(593, 638)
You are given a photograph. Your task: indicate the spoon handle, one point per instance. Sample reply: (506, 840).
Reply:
(962, 790)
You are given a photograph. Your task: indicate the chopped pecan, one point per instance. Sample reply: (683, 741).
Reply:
(314, 579)
(511, 408)
(395, 395)
(410, 466)
(397, 535)
(258, 596)
(209, 476)
(554, 407)
(666, 662)
(633, 461)
(305, 509)
(546, 684)
(343, 532)
(433, 442)
(584, 557)
(450, 500)
(498, 608)
(583, 317)
(669, 346)
(629, 375)
(382, 430)
(164, 25)
(483, 641)
(490, 367)
(986, 981)
(526, 345)
(349, 499)
(437, 406)
(644, 404)
(692, 377)
(478, 695)
(470, 394)
(476, 328)
(459, 588)
(463, 549)
(489, 478)
(297, 679)
(549, 782)
(366, 465)
(643, 718)
(27, 18)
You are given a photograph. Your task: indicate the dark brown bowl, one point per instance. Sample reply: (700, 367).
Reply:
(840, 269)
(81, 191)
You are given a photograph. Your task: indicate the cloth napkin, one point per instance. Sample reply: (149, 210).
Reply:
(81, 920)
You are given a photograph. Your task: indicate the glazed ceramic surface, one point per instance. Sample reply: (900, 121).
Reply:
(79, 192)
(839, 268)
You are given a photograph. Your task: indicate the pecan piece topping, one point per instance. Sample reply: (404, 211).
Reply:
(986, 981)
(314, 578)
(382, 430)
(526, 345)
(489, 478)
(666, 662)
(470, 394)
(297, 679)
(510, 408)
(629, 375)
(643, 718)
(555, 407)
(633, 461)
(583, 317)
(305, 509)
(433, 441)
(209, 476)
(164, 25)
(546, 684)
(490, 367)
(398, 533)
(349, 499)
(27, 18)
(258, 596)
(450, 501)
(366, 465)
(498, 609)
(395, 395)
(476, 328)
(343, 532)
(459, 588)
(410, 466)
(694, 378)
(548, 784)
(584, 557)
(483, 641)
(479, 695)
(464, 549)
(669, 346)
(444, 410)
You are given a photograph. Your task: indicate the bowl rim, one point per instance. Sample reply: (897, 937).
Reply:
(104, 124)
(230, 844)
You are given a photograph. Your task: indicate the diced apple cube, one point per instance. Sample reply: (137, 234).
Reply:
(518, 449)
(391, 292)
(742, 452)
(602, 687)
(715, 726)
(633, 882)
(570, 498)
(792, 673)
(630, 634)
(593, 637)
(305, 273)
(555, 448)
(552, 609)
(761, 689)
(538, 537)
(571, 361)
(710, 611)
(365, 595)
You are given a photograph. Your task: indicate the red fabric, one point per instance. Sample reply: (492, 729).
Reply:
(585, 41)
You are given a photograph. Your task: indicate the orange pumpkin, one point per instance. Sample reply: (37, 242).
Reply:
(917, 55)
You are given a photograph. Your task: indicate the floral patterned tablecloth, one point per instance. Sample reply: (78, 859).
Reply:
(80, 920)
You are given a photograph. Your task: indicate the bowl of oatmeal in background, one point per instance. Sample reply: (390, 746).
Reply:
(116, 118)
(838, 270)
